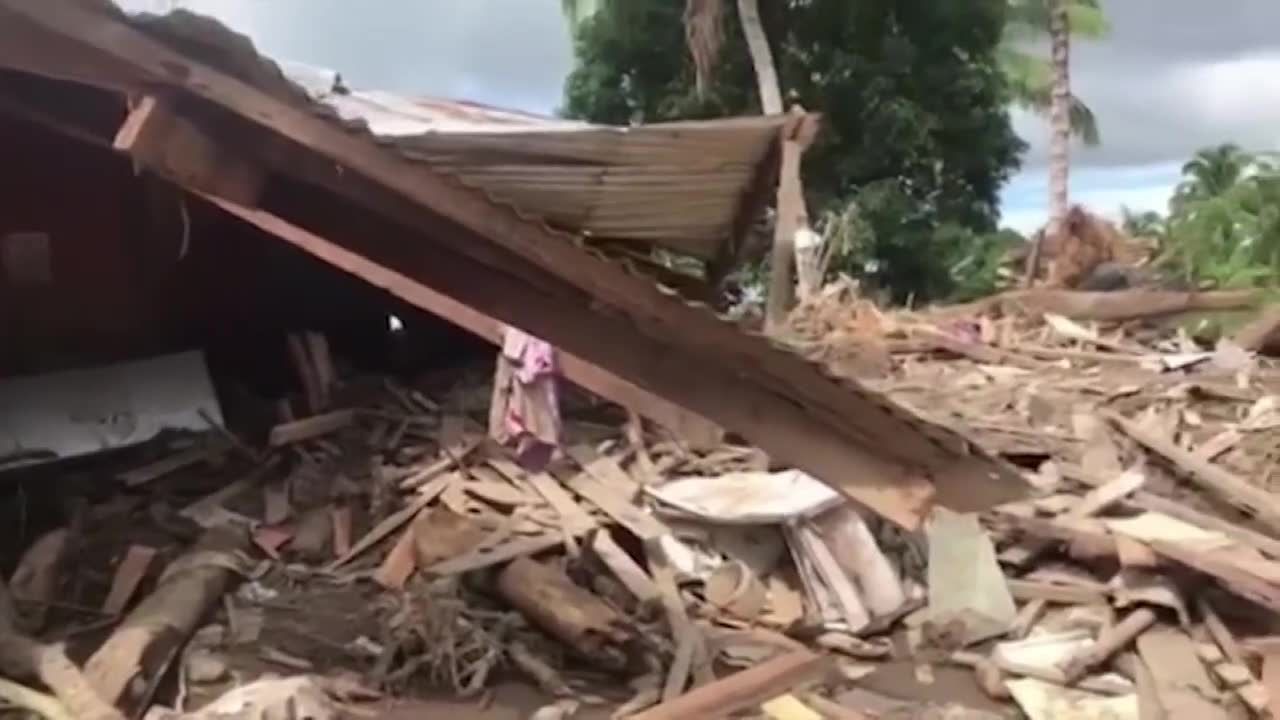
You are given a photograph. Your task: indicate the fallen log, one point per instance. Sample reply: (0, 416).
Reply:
(1111, 306)
(570, 613)
(149, 638)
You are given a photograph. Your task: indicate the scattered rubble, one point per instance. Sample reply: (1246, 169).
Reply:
(385, 545)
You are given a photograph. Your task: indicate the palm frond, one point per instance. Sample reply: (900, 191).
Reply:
(1030, 82)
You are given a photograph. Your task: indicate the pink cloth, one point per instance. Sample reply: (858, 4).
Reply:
(525, 412)
(533, 357)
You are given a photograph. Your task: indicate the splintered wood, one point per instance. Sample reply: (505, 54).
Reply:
(1155, 456)
(1128, 580)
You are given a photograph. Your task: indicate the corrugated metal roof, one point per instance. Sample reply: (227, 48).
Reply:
(679, 185)
(676, 185)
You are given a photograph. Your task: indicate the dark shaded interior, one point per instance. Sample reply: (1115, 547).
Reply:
(101, 263)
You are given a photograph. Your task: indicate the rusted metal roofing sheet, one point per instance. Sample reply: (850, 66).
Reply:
(680, 185)
(676, 185)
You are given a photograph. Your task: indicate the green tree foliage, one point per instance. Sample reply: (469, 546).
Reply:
(884, 240)
(1213, 172)
(915, 130)
(1223, 228)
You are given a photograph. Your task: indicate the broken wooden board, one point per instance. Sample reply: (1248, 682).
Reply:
(683, 632)
(390, 524)
(626, 569)
(1212, 478)
(605, 469)
(156, 135)
(312, 427)
(208, 511)
(641, 524)
(399, 564)
(745, 689)
(128, 576)
(1271, 680)
(489, 556)
(340, 516)
(454, 453)
(1245, 536)
(166, 465)
(1185, 690)
(1030, 591)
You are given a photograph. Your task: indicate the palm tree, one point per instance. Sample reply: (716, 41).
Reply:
(1059, 116)
(1029, 75)
(1213, 171)
(1059, 26)
(1141, 224)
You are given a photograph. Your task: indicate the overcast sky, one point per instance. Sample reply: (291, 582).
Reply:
(1175, 75)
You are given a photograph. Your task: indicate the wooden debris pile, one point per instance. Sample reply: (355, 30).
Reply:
(384, 536)
(1145, 577)
(382, 543)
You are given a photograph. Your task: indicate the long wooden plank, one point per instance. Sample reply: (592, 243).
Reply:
(605, 469)
(128, 576)
(765, 379)
(741, 690)
(792, 436)
(311, 427)
(475, 560)
(571, 514)
(164, 466)
(694, 428)
(165, 141)
(641, 524)
(396, 520)
(1212, 478)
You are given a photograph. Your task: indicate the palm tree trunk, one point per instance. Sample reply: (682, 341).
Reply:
(1059, 118)
(1059, 139)
(761, 57)
(790, 204)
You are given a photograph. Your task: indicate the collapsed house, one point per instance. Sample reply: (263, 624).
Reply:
(168, 190)
(469, 221)
(172, 197)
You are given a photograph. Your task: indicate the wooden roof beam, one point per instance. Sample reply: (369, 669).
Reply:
(366, 245)
(156, 136)
(176, 148)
